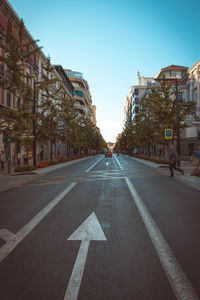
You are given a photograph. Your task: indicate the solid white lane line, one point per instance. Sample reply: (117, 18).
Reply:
(15, 239)
(176, 276)
(120, 166)
(90, 168)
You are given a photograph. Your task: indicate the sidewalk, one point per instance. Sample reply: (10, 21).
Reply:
(17, 179)
(187, 166)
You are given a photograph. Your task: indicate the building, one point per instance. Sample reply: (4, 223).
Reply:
(191, 135)
(82, 96)
(9, 25)
(94, 116)
(137, 92)
(175, 72)
(63, 84)
(188, 90)
(128, 110)
(34, 72)
(110, 145)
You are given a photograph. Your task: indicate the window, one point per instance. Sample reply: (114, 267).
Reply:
(176, 74)
(136, 110)
(8, 99)
(34, 59)
(18, 102)
(137, 100)
(27, 79)
(180, 97)
(136, 92)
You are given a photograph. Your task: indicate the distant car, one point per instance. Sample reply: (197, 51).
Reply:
(108, 154)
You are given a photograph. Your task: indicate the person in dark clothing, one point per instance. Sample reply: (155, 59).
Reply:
(172, 162)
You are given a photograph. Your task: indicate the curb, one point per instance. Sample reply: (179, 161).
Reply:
(148, 163)
(38, 173)
(59, 166)
(50, 168)
(186, 179)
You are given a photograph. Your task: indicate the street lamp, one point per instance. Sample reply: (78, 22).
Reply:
(34, 121)
(178, 144)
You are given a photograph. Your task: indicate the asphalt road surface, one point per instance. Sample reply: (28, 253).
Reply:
(104, 228)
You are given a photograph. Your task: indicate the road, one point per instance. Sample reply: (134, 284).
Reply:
(104, 228)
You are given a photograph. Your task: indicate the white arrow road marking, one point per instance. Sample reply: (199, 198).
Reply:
(89, 230)
(12, 240)
(176, 276)
(7, 235)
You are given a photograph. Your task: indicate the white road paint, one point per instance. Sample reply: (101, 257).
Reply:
(12, 240)
(89, 230)
(176, 276)
(7, 235)
(119, 164)
(90, 168)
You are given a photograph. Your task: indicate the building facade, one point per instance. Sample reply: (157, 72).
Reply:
(128, 110)
(175, 72)
(34, 71)
(81, 93)
(9, 26)
(94, 115)
(191, 135)
(137, 92)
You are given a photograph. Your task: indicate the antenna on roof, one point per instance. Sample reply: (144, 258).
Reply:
(138, 74)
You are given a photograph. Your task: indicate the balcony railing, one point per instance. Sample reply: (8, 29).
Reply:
(29, 61)
(2, 32)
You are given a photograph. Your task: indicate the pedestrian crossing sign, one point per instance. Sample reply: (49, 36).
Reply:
(168, 134)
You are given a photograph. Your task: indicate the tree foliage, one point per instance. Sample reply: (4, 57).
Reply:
(157, 112)
(17, 51)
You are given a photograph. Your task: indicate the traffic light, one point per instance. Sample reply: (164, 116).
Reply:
(6, 137)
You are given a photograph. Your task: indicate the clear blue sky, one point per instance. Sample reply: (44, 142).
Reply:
(110, 40)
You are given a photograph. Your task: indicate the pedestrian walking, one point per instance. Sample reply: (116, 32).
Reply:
(2, 160)
(197, 158)
(172, 162)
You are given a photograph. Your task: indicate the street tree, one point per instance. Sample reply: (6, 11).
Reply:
(17, 52)
(49, 107)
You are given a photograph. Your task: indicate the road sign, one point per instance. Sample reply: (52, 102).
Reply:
(168, 134)
(89, 230)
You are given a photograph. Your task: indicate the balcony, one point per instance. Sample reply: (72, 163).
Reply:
(29, 61)
(79, 107)
(2, 31)
(36, 68)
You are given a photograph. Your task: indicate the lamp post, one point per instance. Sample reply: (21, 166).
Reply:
(178, 144)
(34, 121)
